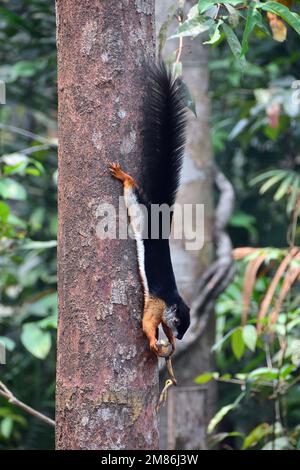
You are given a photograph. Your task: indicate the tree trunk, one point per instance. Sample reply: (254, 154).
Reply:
(107, 379)
(196, 188)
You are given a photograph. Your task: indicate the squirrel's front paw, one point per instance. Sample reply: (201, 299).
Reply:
(115, 169)
(163, 348)
(153, 346)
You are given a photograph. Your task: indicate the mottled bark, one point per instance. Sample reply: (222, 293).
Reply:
(107, 381)
(197, 188)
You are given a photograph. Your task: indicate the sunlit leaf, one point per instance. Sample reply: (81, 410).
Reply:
(206, 377)
(11, 189)
(258, 433)
(4, 211)
(204, 5)
(222, 413)
(193, 27)
(250, 336)
(35, 340)
(253, 19)
(215, 34)
(237, 343)
(6, 427)
(234, 44)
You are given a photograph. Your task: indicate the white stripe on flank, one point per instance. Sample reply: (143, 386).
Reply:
(136, 216)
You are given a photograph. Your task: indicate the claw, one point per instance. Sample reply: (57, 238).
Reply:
(116, 172)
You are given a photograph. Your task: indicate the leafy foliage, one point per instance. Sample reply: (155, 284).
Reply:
(28, 302)
(265, 372)
(255, 115)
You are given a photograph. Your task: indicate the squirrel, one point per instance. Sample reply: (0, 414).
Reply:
(163, 142)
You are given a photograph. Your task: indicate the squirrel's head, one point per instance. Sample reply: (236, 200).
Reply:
(177, 317)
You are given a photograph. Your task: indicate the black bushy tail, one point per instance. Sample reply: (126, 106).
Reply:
(164, 136)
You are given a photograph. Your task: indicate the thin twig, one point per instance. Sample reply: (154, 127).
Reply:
(8, 395)
(179, 51)
(29, 150)
(25, 133)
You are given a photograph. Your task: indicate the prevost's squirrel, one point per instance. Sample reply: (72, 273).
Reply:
(164, 140)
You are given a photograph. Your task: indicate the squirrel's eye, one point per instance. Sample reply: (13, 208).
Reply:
(176, 321)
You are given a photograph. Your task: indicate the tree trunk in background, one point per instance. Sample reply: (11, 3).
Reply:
(107, 379)
(197, 187)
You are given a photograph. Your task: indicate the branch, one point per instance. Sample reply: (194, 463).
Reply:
(6, 393)
(30, 135)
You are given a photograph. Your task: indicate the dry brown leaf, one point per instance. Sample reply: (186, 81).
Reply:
(249, 281)
(278, 27)
(242, 252)
(272, 287)
(291, 277)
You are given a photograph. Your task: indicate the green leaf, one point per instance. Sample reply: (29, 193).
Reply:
(204, 5)
(26, 68)
(48, 322)
(243, 220)
(234, 15)
(292, 18)
(283, 188)
(193, 27)
(219, 416)
(162, 35)
(215, 36)
(271, 182)
(13, 159)
(43, 306)
(253, 18)
(237, 343)
(16, 221)
(11, 189)
(293, 195)
(250, 336)
(225, 377)
(4, 211)
(6, 427)
(222, 340)
(193, 12)
(295, 352)
(206, 377)
(223, 412)
(8, 343)
(264, 373)
(35, 340)
(32, 171)
(35, 245)
(256, 435)
(234, 45)
(265, 175)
